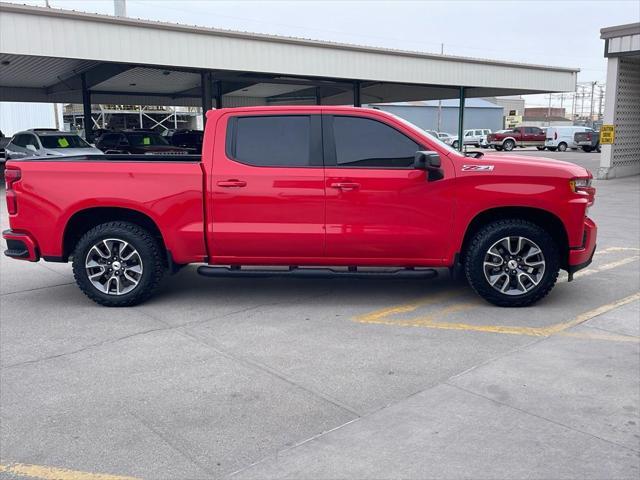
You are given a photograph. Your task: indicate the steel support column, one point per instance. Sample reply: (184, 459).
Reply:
(356, 94)
(218, 94)
(86, 110)
(206, 94)
(461, 120)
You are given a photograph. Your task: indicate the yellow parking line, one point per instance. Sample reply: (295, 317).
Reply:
(405, 308)
(381, 317)
(54, 473)
(606, 266)
(583, 317)
(605, 251)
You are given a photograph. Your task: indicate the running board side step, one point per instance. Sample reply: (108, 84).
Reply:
(210, 271)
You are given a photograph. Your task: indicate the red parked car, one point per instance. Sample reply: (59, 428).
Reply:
(301, 186)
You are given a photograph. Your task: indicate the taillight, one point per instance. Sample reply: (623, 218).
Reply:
(11, 175)
(589, 136)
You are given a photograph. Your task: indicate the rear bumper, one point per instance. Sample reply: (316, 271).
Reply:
(581, 257)
(20, 246)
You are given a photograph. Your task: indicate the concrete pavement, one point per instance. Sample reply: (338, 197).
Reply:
(284, 378)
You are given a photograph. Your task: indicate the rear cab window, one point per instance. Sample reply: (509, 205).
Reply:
(275, 140)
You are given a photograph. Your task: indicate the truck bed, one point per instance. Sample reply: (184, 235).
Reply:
(168, 189)
(117, 158)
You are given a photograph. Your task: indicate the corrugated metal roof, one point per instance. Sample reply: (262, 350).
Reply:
(49, 45)
(450, 103)
(56, 12)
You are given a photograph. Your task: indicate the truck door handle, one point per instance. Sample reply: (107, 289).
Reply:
(232, 183)
(345, 185)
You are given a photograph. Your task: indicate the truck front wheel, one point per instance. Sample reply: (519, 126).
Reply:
(508, 145)
(118, 264)
(512, 263)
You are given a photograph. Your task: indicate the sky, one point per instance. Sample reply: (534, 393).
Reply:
(562, 33)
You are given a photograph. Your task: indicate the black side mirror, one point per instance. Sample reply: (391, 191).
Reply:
(429, 161)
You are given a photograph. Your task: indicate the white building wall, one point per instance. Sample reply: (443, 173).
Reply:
(622, 110)
(15, 116)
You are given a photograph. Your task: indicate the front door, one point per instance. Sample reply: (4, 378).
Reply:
(380, 210)
(267, 200)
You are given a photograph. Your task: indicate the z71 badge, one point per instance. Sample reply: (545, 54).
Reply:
(477, 168)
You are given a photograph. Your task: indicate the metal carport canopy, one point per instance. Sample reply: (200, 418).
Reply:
(44, 51)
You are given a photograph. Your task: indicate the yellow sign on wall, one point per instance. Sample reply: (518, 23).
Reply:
(607, 134)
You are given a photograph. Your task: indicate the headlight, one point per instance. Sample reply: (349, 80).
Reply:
(583, 186)
(578, 185)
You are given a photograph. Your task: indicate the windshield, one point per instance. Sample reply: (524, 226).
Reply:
(417, 129)
(144, 139)
(63, 141)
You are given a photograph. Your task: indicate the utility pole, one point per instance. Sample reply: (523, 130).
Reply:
(582, 95)
(120, 8)
(439, 100)
(549, 110)
(573, 104)
(593, 86)
(601, 87)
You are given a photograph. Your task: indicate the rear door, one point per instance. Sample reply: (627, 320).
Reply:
(532, 136)
(380, 210)
(267, 195)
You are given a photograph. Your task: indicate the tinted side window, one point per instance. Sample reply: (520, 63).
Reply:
(20, 141)
(31, 140)
(109, 140)
(362, 142)
(272, 141)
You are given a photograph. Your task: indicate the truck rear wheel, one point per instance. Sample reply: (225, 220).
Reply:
(512, 263)
(118, 264)
(508, 145)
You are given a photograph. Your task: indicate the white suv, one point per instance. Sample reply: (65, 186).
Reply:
(476, 137)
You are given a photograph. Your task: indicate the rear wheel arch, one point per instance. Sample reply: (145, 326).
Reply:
(83, 221)
(543, 218)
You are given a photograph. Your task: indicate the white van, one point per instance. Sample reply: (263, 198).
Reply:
(561, 138)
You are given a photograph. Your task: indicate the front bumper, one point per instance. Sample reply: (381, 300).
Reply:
(20, 246)
(582, 256)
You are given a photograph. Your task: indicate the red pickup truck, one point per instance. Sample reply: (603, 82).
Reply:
(517, 137)
(303, 186)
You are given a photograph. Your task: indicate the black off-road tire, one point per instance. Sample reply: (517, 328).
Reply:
(473, 260)
(151, 253)
(541, 148)
(587, 149)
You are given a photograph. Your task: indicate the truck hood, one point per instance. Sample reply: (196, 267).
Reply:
(532, 165)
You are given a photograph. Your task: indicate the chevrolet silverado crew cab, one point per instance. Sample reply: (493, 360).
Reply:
(298, 187)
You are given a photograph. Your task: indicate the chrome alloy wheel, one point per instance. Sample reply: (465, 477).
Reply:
(514, 265)
(114, 266)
